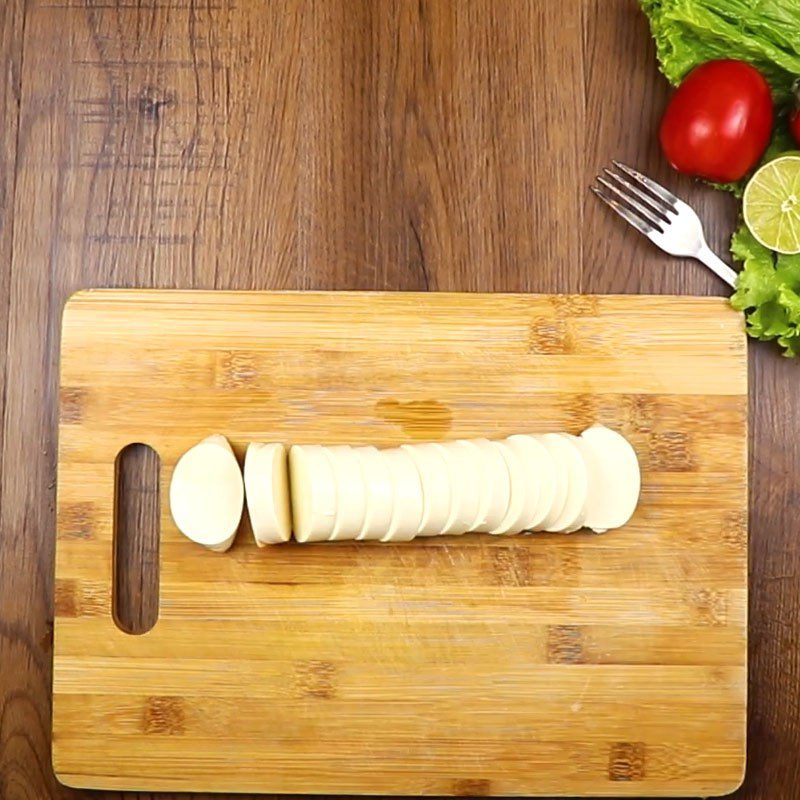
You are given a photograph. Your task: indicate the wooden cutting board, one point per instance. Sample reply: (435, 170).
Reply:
(478, 665)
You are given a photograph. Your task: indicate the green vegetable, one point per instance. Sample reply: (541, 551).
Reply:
(761, 32)
(768, 292)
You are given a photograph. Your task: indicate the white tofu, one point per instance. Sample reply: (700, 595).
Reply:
(540, 477)
(465, 463)
(206, 493)
(512, 523)
(351, 493)
(572, 515)
(615, 478)
(313, 492)
(436, 493)
(407, 489)
(380, 493)
(266, 483)
(496, 489)
(557, 447)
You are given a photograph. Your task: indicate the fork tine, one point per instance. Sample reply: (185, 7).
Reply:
(656, 188)
(647, 214)
(629, 216)
(653, 205)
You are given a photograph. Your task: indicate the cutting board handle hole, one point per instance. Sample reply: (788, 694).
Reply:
(137, 514)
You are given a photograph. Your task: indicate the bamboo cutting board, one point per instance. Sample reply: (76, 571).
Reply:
(478, 665)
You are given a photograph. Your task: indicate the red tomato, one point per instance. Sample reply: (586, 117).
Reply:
(719, 121)
(794, 114)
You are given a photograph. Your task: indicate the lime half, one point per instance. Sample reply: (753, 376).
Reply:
(771, 205)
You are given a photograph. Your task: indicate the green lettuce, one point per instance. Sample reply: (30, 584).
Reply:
(768, 292)
(765, 33)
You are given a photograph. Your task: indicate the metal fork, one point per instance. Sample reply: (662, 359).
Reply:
(663, 218)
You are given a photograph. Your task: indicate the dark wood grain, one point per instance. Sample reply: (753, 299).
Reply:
(387, 144)
(11, 20)
(136, 538)
(25, 611)
(11, 17)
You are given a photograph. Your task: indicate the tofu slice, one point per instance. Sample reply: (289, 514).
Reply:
(574, 511)
(496, 490)
(513, 521)
(266, 484)
(407, 488)
(539, 475)
(313, 491)
(465, 465)
(478, 466)
(351, 493)
(615, 478)
(558, 449)
(434, 476)
(380, 493)
(206, 493)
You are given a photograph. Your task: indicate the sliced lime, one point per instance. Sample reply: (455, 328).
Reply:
(771, 205)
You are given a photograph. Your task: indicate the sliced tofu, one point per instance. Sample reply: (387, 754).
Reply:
(465, 464)
(266, 483)
(496, 490)
(380, 493)
(407, 488)
(513, 521)
(313, 492)
(351, 493)
(572, 515)
(615, 478)
(436, 493)
(539, 475)
(558, 449)
(479, 464)
(206, 493)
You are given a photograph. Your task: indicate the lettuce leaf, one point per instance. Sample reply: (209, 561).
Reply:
(761, 32)
(768, 292)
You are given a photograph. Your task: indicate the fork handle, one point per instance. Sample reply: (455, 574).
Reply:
(717, 265)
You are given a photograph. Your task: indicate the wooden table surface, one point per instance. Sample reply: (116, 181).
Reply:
(336, 144)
